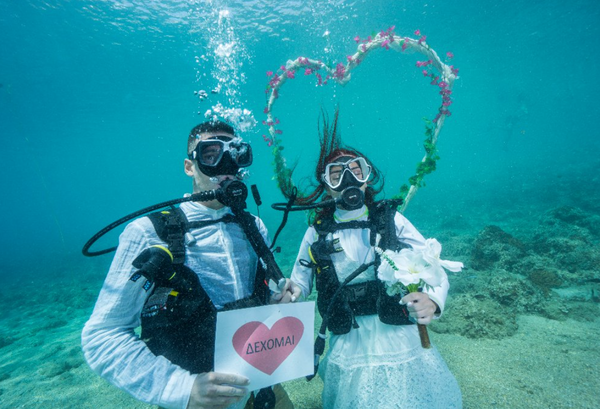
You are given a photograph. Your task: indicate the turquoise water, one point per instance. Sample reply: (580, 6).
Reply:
(97, 99)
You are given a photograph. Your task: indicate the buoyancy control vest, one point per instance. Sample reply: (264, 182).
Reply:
(366, 298)
(178, 318)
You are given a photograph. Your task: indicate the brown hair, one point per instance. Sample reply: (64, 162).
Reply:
(332, 148)
(204, 127)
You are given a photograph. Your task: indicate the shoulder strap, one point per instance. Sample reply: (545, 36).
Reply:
(248, 224)
(323, 226)
(383, 214)
(171, 226)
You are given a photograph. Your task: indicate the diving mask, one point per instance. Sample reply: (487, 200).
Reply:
(222, 155)
(353, 172)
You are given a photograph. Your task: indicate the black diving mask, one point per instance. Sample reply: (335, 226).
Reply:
(222, 155)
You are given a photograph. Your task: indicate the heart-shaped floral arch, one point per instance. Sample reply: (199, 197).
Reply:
(440, 74)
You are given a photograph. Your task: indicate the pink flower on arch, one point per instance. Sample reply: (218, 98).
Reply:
(290, 74)
(269, 73)
(268, 140)
(319, 78)
(308, 71)
(340, 71)
(417, 32)
(274, 81)
(405, 43)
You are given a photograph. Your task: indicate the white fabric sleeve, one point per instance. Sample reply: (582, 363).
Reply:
(301, 275)
(263, 230)
(439, 294)
(407, 233)
(110, 345)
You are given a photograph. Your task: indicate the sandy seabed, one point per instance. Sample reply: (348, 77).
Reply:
(546, 364)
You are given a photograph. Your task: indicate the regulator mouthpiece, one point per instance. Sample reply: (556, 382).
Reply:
(352, 198)
(232, 193)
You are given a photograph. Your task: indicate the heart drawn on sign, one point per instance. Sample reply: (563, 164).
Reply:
(266, 349)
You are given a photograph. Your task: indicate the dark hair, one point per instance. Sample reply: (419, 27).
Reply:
(331, 148)
(204, 127)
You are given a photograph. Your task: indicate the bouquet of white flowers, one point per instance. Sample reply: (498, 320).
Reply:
(408, 270)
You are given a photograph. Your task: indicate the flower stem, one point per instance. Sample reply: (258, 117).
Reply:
(424, 336)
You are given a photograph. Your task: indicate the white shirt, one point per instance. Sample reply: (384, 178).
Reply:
(225, 263)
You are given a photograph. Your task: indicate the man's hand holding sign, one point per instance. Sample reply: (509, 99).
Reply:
(227, 384)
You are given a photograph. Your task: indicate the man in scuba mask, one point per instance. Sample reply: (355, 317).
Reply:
(172, 272)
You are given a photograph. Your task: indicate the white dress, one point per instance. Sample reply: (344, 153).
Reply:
(378, 365)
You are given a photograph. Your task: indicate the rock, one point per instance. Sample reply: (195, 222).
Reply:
(579, 293)
(475, 318)
(545, 279)
(515, 292)
(496, 248)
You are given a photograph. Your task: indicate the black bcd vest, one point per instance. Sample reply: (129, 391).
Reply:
(179, 319)
(367, 298)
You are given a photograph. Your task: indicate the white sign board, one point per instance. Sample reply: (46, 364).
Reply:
(268, 344)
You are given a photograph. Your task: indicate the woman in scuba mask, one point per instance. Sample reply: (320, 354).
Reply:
(375, 358)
